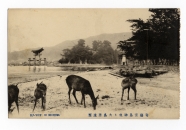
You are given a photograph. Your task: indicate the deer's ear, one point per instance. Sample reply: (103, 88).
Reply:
(97, 97)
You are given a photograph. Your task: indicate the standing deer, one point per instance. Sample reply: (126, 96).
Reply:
(78, 83)
(129, 82)
(40, 92)
(13, 92)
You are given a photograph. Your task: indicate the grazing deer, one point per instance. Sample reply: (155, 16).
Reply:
(129, 82)
(40, 92)
(78, 83)
(13, 92)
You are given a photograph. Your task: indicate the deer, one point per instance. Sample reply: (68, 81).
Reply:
(40, 92)
(78, 83)
(13, 92)
(129, 82)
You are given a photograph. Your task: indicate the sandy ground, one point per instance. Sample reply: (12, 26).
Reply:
(158, 97)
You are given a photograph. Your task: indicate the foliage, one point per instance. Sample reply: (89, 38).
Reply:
(158, 36)
(67, 53)
(63, 60)
(101, 52)
(104, 53)
(127, 48)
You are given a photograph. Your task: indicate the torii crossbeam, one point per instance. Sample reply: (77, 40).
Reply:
(37, 52)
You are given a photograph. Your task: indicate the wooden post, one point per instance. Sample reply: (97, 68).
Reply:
(29, 59)
(44, 61)
(34, 59)
(39, 58)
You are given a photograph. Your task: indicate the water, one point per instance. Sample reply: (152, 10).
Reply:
(45, 69)
(34, 69)
(21, 74)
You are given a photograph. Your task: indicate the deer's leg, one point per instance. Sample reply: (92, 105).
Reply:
(74, 93)
(9, 105)
(35, 104)
(42, 99)
(128, 93)
(69, 94)
(43, 102)
(16, 101)
(83, 95)
(135, 91)
(122, 93)
(82, 99)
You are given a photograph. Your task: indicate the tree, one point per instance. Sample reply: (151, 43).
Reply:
(81, 42)
(68, 54)
(96, 45)
(127, 48)
(103, 52)
(140, 37)
(165, 24)
(81, 53)
(160, 31)
(63, 60)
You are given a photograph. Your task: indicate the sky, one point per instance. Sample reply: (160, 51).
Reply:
(32, 28)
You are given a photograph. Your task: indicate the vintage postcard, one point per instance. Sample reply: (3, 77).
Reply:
(94, 63)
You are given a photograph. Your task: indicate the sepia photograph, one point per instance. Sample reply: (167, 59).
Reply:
(104, 63)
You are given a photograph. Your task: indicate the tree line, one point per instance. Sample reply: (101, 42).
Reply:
(100, 53)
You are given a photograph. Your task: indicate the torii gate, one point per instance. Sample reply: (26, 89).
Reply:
(37, 53)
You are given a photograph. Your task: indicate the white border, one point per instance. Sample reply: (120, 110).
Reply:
(62, 124)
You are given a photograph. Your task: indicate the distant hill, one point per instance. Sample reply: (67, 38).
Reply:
(53, 53)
